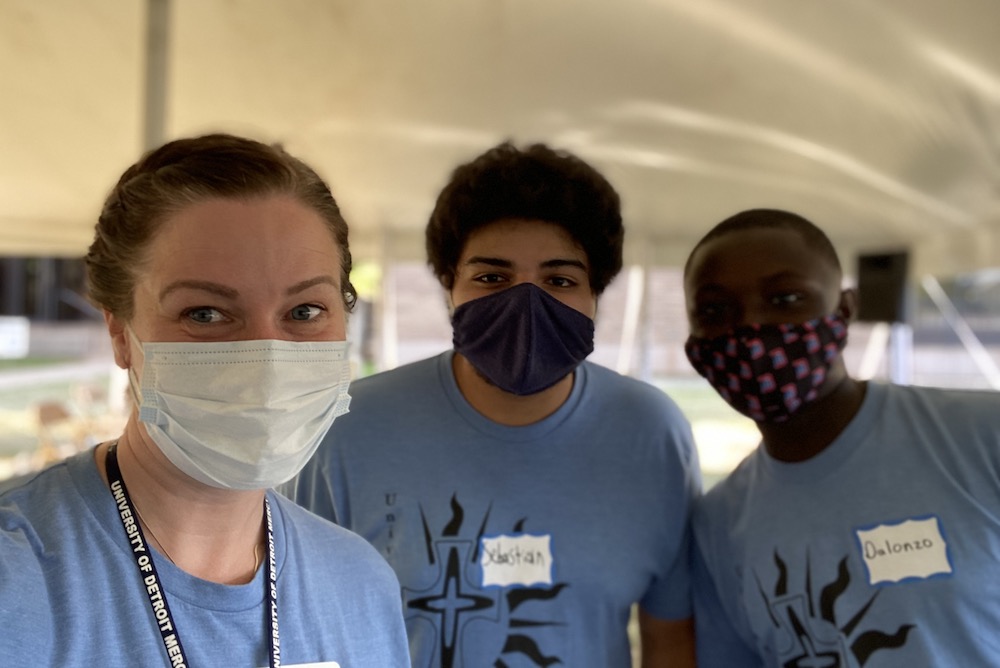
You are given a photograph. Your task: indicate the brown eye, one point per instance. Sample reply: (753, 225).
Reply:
(786, 298)
(562, 282)
(709, 310)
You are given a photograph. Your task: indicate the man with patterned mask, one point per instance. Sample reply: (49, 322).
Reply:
(864, 530)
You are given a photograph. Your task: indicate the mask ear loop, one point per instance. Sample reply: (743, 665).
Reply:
(133, 378)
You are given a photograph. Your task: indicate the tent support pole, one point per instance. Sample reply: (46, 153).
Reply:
(965, 334)
(155, 93)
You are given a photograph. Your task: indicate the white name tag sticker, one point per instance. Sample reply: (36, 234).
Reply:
(912, 549)
(519, 559)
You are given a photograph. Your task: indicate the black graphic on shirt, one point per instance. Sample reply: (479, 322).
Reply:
(814, 635)
(455, 599)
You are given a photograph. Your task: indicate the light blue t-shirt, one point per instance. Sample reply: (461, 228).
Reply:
(515, 546)
(881, 551)
(71, 593)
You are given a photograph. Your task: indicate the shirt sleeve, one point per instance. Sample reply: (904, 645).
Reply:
(669, 595)
(25, 616)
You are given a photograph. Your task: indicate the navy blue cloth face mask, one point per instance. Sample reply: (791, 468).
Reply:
(522, 339)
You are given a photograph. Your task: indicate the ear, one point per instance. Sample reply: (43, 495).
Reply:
(120, 343)
(847, 308)
(449, 303)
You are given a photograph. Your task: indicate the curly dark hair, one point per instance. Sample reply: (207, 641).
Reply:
(184, 172)
(534, 183)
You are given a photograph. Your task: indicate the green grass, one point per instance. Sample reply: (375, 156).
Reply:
(698, 400)
(723, 436)
(25, 398)
(21, 397)
(30, 362)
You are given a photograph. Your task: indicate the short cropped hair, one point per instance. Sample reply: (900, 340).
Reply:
(752, 219)
(534, 183)
(184, 172)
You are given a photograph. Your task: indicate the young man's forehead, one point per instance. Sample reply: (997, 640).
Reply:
(778, 240)
(765, 250)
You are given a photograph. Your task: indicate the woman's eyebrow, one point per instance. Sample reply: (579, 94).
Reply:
(308, 283)
(231, 293)
(205, 286)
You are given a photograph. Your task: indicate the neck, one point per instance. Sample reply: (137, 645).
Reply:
(503, 407)
(812, 430)
(210, 533)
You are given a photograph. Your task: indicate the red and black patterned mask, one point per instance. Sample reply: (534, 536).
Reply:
(768, 372)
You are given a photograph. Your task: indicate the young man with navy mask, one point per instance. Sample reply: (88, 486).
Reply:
(865, 529)
(526, 498)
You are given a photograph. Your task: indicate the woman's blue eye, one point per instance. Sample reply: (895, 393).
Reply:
(305, 312)
(204, 315)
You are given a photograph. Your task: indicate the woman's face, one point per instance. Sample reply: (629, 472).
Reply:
(233, 270)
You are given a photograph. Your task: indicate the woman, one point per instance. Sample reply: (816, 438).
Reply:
(221, 265)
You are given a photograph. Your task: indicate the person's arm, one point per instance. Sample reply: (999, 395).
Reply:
(668, 640)
(666, 643)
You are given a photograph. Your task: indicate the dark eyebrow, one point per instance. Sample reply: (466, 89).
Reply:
(507, 264)
(493, 261)
(709, 292)
(782, 275)
(299, 287)
(230, 293)
(205, 286)
(549, 264)
(791, 278)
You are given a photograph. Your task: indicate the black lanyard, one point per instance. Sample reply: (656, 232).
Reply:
(151, 579)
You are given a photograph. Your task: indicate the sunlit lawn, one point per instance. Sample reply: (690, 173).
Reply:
(723, 437)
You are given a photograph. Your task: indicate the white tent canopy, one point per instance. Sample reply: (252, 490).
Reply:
(879, 120)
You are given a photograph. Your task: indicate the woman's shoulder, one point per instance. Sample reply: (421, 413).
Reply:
(46, 496)
(24, 595)
(25, 615)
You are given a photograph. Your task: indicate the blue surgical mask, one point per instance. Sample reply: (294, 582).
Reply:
(522, 339)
